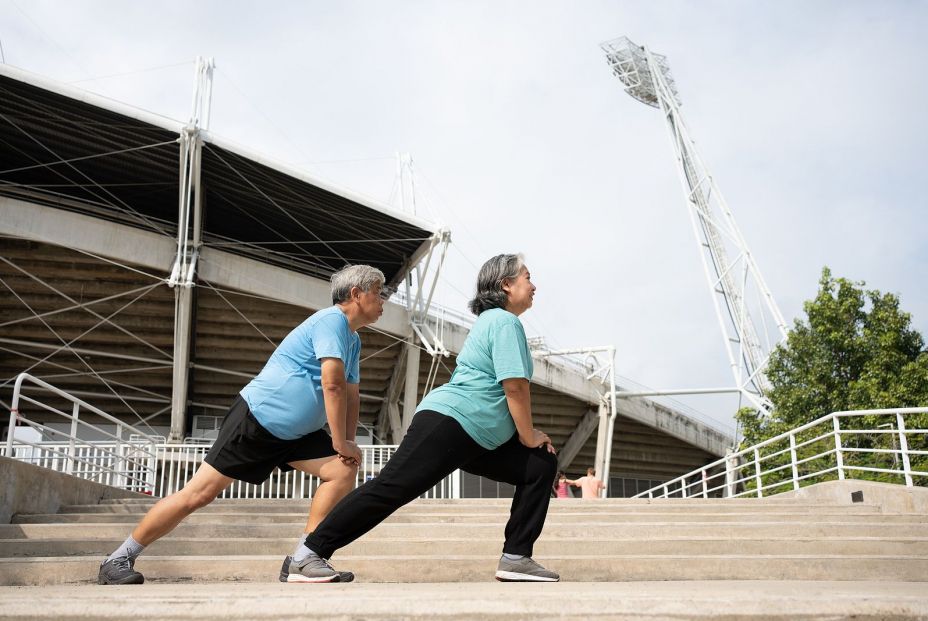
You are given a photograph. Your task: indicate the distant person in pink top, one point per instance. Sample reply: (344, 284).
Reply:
(561, 485)
(590, 485)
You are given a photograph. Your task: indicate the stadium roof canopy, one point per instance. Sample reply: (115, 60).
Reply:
(68, 148)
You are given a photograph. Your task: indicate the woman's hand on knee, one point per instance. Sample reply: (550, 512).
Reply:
(539, 438)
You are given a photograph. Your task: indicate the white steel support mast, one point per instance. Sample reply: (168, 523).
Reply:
(189, 237)
(418, 297)
(735, 282)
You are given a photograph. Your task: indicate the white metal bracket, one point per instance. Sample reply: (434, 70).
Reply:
(598, 362)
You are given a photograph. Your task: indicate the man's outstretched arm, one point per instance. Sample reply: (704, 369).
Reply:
(335, 394)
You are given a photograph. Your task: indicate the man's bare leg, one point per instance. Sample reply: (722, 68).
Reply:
(337, 478)
(161, 519)
(168, 512)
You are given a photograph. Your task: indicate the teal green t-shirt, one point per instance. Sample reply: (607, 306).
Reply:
(495, 350)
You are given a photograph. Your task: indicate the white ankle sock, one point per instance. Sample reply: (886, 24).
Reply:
(302, 552)
(130, 549)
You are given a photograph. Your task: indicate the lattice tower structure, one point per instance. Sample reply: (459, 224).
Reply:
(738, 289)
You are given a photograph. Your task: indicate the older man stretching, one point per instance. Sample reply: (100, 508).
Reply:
(276, 421)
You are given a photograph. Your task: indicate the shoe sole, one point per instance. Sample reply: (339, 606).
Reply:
(511, 576)
(343, 576)
(132, 580)
(301, 579)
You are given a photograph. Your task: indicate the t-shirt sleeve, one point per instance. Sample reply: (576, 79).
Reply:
(511, 357)
(330, 340)
(354, 364)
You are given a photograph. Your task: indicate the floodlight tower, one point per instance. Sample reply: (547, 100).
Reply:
(736, 285)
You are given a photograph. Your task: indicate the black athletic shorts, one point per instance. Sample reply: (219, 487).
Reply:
(247, 451)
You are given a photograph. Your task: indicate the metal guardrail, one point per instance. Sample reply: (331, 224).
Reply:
(133, 460)
(175, 464)
(886, 444)
(179, 462)
(127, 459)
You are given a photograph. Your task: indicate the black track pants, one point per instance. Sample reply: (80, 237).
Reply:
(433, 448)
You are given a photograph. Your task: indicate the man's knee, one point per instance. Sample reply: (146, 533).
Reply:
(197, 498)
(338, 471)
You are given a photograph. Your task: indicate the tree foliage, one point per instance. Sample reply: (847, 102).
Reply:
(855, 350)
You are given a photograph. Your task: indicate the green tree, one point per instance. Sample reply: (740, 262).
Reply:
(855, 350)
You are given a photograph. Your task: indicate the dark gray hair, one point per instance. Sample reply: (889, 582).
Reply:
(364, 277)
(490, 292)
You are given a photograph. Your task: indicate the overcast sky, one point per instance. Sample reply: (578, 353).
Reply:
(810, 116)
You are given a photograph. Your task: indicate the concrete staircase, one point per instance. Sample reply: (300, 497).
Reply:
(620, 540)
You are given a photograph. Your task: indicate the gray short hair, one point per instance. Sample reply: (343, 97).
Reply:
(364, 277)
(490, 292)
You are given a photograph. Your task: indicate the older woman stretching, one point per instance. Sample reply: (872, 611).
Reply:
(481, 422)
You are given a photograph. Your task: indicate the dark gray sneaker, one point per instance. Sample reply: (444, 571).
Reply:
(523, 570)
(119, 571)
(315, 570)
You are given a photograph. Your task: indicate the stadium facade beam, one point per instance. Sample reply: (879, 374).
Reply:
(119, 242)
(577, 439)
(389, 421)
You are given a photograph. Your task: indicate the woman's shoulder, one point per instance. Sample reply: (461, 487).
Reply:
(498, 317)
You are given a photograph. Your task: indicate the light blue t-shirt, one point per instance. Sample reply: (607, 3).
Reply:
(286, 396)
(495, 350)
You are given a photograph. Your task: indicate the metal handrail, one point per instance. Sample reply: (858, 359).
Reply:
(134, 460)
(746, 469)
(176, 464)
(130, 463)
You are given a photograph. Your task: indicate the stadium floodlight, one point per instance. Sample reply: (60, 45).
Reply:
(630, 64)
(738, 290)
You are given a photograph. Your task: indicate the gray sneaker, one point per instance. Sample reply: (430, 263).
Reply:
(119, 571)
(314, 569)
(523, 570)
(343, 576)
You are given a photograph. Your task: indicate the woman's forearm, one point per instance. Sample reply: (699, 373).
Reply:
(519, 400)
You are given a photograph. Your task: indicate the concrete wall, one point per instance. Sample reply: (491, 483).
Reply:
(25, 488)
(891, 497)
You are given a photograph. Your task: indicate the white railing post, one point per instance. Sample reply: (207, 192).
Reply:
(705, 486)
(757, 478)
(904, 448)
(838, 455)
(9, 433)
(729, 475)
(120, 461)
(75, 412)
(174, 455)
(14, 412)
(793, 460)
(456, 484)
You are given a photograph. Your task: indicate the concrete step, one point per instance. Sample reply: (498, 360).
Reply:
(473, 532)
(475, 568)
(546, 546)
(559, 508)
(567, 601)
(491, 518)
(779, 500)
